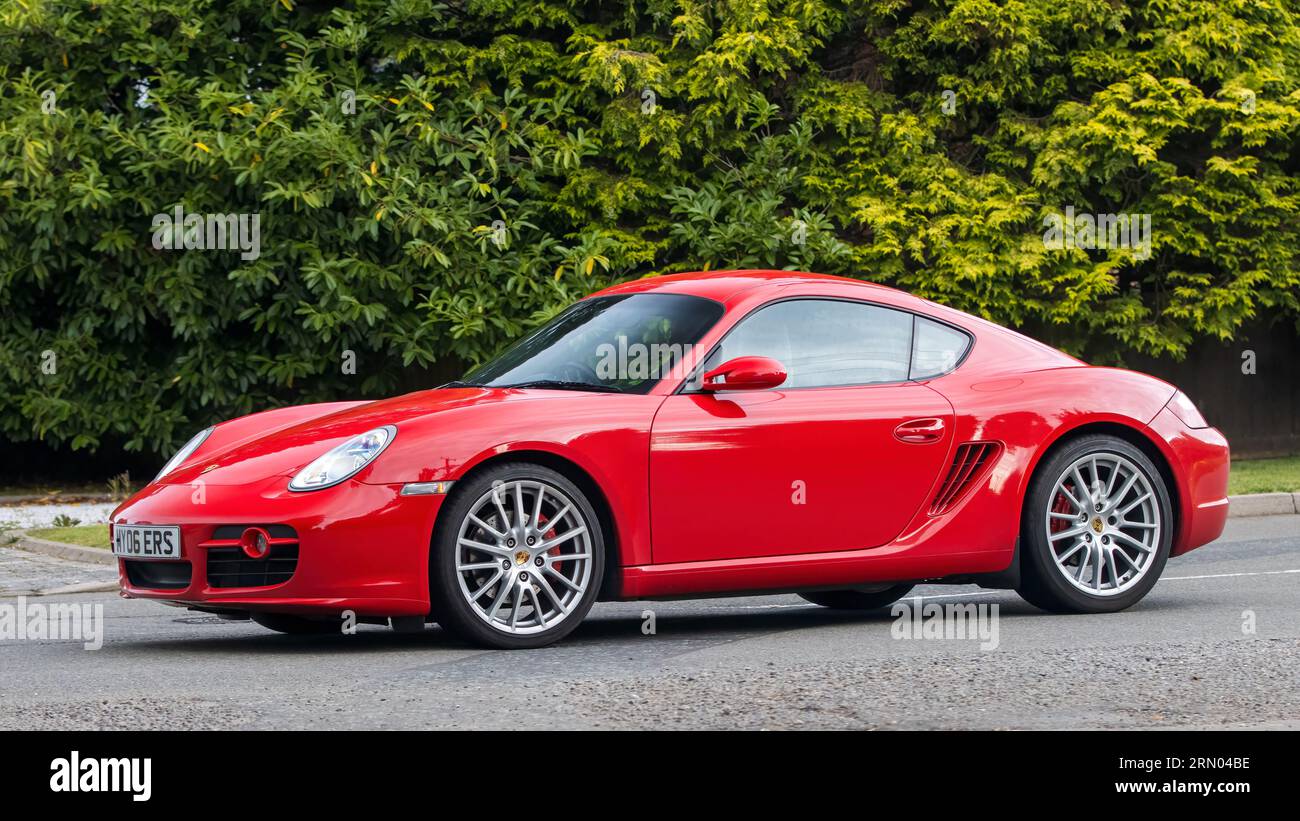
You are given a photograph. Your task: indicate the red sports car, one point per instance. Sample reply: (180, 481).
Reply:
(686, 436)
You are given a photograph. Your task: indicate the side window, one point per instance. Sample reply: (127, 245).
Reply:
(936, 349)
(823, 343)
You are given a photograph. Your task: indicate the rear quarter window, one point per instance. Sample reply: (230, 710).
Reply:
(936, 348)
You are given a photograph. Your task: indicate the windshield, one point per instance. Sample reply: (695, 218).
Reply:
(622, 344)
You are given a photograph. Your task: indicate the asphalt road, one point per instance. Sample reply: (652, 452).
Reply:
(1184, 657)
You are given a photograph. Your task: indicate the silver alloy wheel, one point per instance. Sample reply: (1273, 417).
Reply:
(523, 556)
(1103, 524)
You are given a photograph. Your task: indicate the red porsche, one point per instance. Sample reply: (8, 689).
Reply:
(687, 436)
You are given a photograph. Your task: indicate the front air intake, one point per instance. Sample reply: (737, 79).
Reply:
(230, 566)
(969, 463)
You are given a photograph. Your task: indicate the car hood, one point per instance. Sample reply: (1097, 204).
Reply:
(279, 450)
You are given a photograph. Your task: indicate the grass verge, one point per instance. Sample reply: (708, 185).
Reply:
(81, 535)
(1265, 476)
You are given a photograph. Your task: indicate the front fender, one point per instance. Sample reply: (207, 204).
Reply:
(605, 435)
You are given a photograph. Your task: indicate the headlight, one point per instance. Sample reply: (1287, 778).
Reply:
(344, 461)
(184, 453)
(1185, 410)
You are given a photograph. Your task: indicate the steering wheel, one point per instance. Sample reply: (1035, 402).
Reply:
(577, 372)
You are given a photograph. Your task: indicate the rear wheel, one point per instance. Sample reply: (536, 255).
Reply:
(1097, 528)
(858, 599)
(518, 557)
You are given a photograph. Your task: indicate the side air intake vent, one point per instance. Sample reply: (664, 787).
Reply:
(968, 465)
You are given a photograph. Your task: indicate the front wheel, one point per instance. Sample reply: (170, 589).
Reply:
(1097, 528)
(858, 599)
(518, 557)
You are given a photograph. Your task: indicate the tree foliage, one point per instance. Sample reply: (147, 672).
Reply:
(433, 178)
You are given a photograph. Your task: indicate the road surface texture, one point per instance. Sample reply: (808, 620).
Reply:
(1184, 657)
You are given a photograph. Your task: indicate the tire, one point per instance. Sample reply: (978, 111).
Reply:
(858, 599)
(489, 585)
(1102, 550)
(295, 625)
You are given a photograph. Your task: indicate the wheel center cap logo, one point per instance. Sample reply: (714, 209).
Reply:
(521, 557)
(1097, 525)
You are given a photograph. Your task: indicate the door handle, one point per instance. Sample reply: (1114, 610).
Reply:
(920, 431)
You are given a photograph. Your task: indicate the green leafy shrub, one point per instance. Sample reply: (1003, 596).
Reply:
(433, 178)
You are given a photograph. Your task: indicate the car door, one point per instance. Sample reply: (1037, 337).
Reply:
(839, 457)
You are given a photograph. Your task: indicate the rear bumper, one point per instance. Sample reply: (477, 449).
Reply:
(1200, 461)
(361, 547)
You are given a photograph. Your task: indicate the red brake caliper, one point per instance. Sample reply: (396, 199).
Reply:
(550, 534)
(1061, 505)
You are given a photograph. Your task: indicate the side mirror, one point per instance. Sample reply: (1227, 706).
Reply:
(744, 373)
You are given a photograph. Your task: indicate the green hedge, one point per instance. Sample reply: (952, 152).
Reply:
(919, 144)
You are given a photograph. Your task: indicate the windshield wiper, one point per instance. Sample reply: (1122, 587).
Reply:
(458, 383)
(564, 385)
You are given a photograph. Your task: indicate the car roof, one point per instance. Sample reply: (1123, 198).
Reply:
(749, 287)
(722, 285)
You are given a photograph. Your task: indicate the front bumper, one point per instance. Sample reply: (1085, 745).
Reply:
(361, 547)
(1200, 460)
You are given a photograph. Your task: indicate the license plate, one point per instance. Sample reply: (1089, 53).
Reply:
(147, 541)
